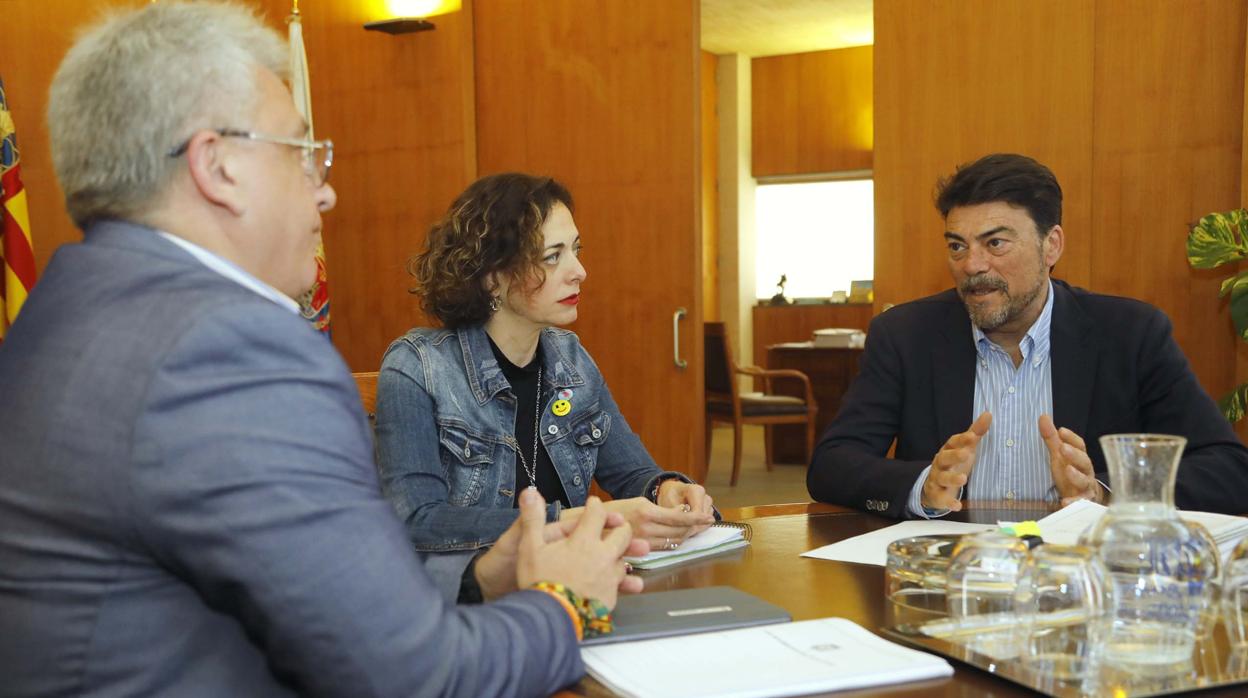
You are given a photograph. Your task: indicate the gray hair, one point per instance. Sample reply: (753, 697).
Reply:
(137, 85)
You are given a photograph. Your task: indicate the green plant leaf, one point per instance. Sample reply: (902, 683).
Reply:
(1233, 404)
(1239, 303)
(1217, 239)
(1227, 283)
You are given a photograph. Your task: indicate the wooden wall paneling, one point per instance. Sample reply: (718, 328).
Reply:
(36, 37)
(710, 187)
(1137, 108)
(604, 96)
(835, 124)
(812, 112)
(774, 106)
(795, 323)
(396, 108)
(958, 79)
(400, 112)
(1167, 149)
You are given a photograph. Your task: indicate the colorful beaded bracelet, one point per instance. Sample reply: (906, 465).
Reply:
(590, 617)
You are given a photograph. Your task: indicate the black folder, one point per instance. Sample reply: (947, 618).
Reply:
(686, 611)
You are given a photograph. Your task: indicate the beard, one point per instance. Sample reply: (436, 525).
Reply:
(989, 318)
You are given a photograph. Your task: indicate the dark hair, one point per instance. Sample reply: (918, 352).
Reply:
(1015, 179)
(495, 225)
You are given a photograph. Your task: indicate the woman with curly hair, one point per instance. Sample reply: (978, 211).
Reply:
(500, 398)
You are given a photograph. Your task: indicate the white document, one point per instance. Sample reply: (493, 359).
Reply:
(1066, 525)
(785, 659)
(872, 548)
(1063, 527)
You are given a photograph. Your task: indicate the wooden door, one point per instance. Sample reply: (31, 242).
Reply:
(604, 97)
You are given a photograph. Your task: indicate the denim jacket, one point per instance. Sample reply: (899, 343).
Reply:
(445, 428)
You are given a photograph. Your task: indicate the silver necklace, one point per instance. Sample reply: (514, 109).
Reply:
(530, 469)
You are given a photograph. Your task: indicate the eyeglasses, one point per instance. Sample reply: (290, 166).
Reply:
(318, 156)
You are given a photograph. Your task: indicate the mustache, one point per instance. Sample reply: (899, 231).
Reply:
(983, 282)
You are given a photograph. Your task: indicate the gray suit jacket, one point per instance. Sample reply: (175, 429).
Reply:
(189, 506)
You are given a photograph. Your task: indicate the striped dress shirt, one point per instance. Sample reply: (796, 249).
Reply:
(1012, 461)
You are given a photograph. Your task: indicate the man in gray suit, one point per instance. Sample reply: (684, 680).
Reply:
(188, 503)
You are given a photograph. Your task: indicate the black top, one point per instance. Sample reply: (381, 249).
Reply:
(523, 380)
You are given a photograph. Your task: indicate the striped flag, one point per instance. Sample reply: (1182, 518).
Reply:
(314, 303)
(17, 256)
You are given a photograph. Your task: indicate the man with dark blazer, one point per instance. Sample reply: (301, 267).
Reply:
(999, 388)
(188, 501)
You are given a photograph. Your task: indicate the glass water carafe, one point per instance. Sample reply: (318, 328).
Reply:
(1161, 570)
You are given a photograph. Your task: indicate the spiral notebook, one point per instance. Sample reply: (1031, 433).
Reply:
(720, 537)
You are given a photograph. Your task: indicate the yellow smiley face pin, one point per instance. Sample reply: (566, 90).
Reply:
(561, 408)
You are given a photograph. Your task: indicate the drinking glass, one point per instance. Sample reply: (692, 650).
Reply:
(979, 593)
(915, 578)
(1061, 590)
(1235, 596)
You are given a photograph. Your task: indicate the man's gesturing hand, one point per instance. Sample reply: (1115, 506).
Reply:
(1069, 463)
(951, 468)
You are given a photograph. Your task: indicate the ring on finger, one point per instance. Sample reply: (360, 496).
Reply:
(685, 508)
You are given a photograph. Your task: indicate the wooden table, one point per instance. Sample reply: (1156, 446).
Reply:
(830, 371)
(772, 569)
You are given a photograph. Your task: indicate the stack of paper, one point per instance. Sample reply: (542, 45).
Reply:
(1066, 525)
(1227, 530)
(713, 540)
(787, 659)
(836, 337)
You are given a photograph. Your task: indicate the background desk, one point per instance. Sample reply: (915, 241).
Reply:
(774, 324)
(772, 569)
(829, 370)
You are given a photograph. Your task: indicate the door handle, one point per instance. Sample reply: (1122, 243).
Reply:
(680, 363)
